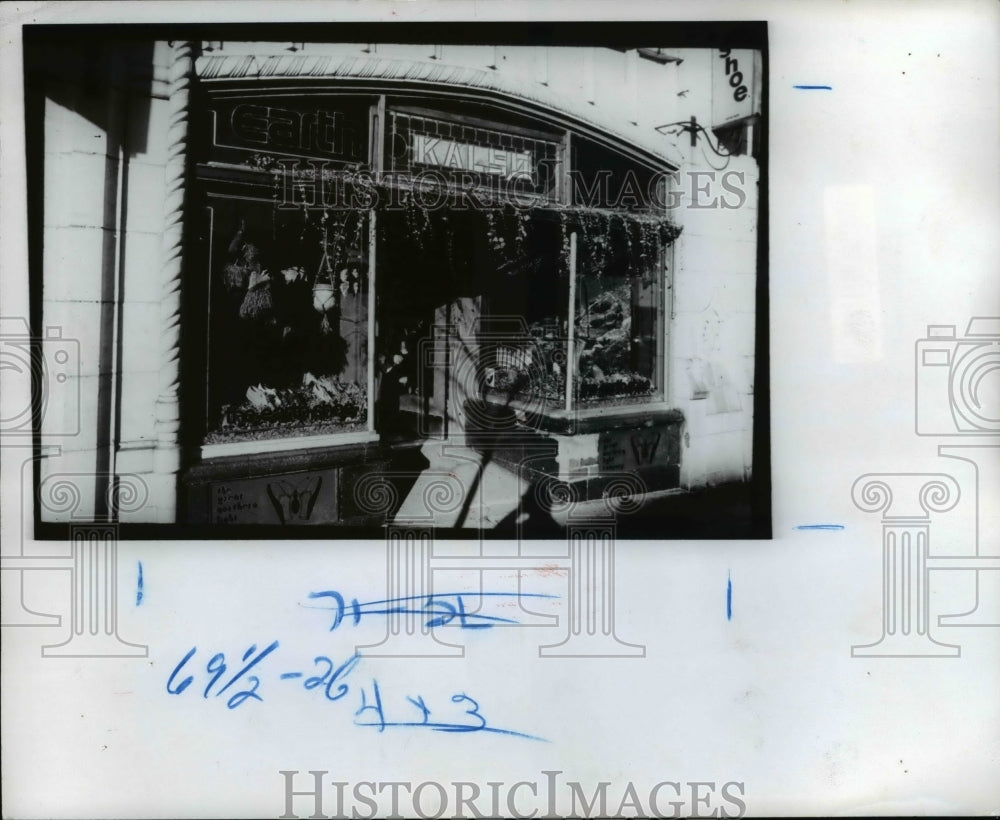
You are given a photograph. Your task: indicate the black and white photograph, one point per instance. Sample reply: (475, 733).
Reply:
(499, 408)
(487, 278)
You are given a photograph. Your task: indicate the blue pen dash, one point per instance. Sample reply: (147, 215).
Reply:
(820, 527)
(814, 87)
(729, 597)
(138, 587)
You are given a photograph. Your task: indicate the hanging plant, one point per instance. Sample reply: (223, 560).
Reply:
(258, 303)
(324, 293)
(632, 240)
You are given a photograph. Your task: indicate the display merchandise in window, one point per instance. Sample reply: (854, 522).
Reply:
(288, 323)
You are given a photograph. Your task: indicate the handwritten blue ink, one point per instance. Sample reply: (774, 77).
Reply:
(375, 705)
(418, 701)
(138, 587)
(452, 727)
(332, 676)
(251, 665)
(442, 611)
(184, 684)
(729, 597)
(216, 667)
(330, 679)
(814, 87)
(820, 527)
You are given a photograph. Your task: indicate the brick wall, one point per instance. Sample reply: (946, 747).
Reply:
(103, 135)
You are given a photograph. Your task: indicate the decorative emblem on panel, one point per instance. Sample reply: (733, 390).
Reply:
(293, 501)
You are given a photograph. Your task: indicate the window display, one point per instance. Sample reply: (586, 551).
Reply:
(613, 291)
(288, 333)
(530, 303)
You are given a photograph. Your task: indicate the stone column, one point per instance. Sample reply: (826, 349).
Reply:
(166, 456)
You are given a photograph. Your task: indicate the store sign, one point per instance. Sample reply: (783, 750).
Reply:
(322, 132)
(306, 498)
(736, 80)
(431, 150)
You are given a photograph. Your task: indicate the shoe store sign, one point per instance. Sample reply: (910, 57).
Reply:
(736, 84)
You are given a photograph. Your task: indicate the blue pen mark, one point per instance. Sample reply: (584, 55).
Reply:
(729, 597)
(399, 710)
(138, 587)
(820, 527)
(441, 609)
(452, 727)
(814, 87)
(375, 705)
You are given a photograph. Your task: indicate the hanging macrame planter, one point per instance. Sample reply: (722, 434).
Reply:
(324, 291)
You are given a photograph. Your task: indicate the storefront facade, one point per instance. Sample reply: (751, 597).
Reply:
(374, 262)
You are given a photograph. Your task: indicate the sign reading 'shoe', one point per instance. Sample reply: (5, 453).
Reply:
(736, 79)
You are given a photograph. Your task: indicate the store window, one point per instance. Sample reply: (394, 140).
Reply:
(283, 267)
(569, 303)
(288, 329)
(604, 273)
(348, 291)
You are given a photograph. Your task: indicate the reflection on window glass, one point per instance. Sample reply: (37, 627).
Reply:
(524, 354)
(288, 329)
(615, 338)
(616, 313)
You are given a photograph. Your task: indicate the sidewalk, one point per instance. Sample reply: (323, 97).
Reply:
(500, 500)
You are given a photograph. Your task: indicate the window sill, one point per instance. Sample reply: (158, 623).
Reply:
(279, 445)
(590, 419)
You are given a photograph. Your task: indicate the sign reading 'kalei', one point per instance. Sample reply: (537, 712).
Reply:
(463, 156)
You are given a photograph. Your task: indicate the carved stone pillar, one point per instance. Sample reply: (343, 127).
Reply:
(905, 501)
(166, 457)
